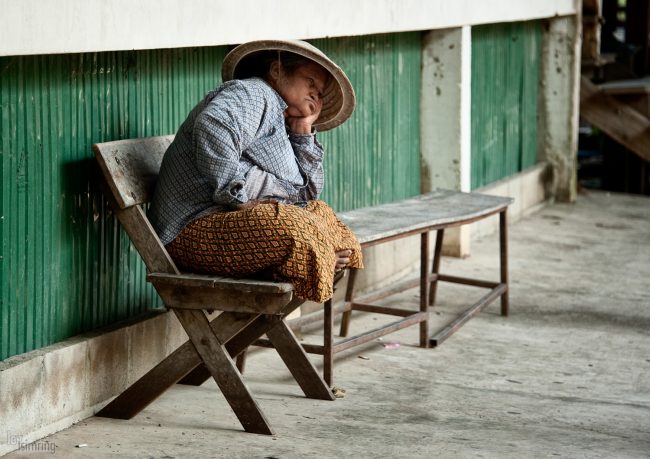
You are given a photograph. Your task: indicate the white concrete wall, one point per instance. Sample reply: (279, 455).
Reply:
(70, 26)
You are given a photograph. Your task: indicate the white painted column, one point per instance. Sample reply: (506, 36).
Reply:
(446, 119)
(560, 105)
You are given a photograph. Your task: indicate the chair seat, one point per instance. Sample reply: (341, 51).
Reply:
(203, 280)
(196, 291)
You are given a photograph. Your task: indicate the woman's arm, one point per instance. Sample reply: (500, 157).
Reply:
(225, 127)
(261, 184)
(309, 154)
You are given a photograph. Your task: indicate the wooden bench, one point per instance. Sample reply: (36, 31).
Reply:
(435, 211)
(249, 308)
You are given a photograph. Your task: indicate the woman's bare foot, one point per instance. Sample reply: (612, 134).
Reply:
(342, 259)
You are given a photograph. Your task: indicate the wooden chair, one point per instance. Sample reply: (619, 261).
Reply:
(250, 308)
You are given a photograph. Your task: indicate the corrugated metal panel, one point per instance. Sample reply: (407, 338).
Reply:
(66, 266)
(375, 157)
(505, 80)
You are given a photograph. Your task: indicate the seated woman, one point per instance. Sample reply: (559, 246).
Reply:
(238, 189)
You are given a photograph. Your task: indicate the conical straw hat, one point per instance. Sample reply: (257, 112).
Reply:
(338, 95)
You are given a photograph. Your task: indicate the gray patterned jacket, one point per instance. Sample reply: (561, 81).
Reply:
(233, 147)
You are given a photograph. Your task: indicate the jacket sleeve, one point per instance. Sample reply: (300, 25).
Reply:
(309, 154)
(220, 133)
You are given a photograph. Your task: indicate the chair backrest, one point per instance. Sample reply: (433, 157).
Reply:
(130, 169)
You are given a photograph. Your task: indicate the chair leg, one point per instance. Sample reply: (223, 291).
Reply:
(200, 374)
(196, 377)
(298, 363)
(223, 370)
(436, 266)
(153, 384)
(241, 361)
(287, 346)
(171, 370)
(237, 347)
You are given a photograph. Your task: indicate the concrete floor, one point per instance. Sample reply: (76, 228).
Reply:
(566, 375)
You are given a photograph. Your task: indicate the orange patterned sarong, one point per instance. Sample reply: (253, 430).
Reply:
(280, 241)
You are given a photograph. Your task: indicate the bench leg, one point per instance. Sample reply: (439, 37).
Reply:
(198, 376)
(349, 294)
(328, 341)
(223, 370)
(503, 259)
(170, 370)
(424, 287)
(436, 266)
(294, 356)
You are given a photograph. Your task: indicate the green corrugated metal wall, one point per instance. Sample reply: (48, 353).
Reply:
(505, 81)
(65, 266)
(375, 156)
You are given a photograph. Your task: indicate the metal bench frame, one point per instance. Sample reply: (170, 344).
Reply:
(435, 211)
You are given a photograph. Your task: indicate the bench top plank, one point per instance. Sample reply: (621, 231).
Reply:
(435, 209)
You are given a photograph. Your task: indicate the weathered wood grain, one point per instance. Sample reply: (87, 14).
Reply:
(438, 209)
(131, 167)
(621, 122)
(191, 280)
(171, 370)
(298, 363)
(223, 370)
(219, 297)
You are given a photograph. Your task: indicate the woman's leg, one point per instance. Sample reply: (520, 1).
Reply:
(345, 240)
(236, 243)
(295, 244)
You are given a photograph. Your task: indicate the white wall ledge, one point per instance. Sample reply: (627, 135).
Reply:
(72, 26)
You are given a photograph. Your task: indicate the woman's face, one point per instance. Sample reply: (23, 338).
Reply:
(302, 90)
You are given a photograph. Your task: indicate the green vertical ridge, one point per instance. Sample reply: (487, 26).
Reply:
(375, 156)
(505, 85)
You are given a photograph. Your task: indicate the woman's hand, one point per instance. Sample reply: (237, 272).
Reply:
(342, 259)
(303, 124)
